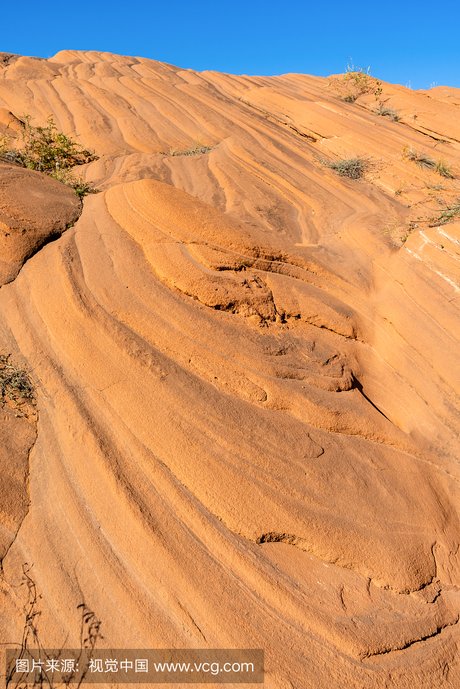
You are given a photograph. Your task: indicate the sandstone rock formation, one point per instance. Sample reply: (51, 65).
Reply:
(34, 209)
(247, 371)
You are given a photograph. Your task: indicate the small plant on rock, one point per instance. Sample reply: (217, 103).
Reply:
(79, 185)
(424, 160)
(46, 149)
(449, 214)
(384, 111)
(444, 170)
(421, 159)
(15, 384)
(354, 83)
(354, 168)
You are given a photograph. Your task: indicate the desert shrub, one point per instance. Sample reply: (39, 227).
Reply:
(354, 168)
(82, 188)
(6, 154)
(10, 156)
(384, 111)
(79, 185)
(15, 384)
(46, 149)
(354, 83)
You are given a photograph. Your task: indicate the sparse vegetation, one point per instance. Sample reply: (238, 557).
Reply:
(354, 83)
(397, 233)
(449, 214)
(15, 384)
(384, 111)
(3, 144)
(31, 647)
(354, 168)
(423, 160)
(48, 150)
(194, 151)
(444, 170)
(79, 185)
(6, 154)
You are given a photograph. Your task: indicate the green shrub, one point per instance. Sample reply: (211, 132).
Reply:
(79, 185)
(46, 149)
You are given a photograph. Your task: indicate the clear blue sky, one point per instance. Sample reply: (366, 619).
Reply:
(408, 42)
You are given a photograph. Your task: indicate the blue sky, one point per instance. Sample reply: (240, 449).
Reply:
(407, 42)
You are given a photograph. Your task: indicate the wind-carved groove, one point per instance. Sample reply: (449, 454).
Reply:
(305, 546)
(353, 337)
(276, 537)
(413, 642)
(431, 134)
(358, 386)
(313, 138)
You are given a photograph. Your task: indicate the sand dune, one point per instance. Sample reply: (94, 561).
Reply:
(246, 368)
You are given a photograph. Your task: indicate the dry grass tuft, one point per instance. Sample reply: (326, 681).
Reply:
(424, 160)
(354, 168)
(15, 383)
(449, 214)
(384, 111)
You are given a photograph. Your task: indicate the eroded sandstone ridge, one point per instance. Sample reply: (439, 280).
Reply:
(246, 370)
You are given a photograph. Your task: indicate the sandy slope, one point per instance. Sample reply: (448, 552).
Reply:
(247, 383)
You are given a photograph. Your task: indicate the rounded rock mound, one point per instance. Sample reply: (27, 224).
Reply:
(34, 208)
